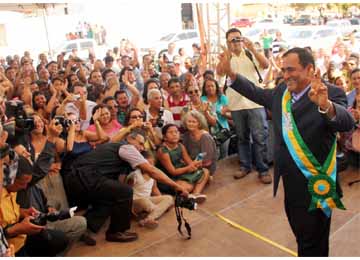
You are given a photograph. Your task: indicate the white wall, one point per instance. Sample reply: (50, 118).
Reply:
(29, 33)
(139, 21)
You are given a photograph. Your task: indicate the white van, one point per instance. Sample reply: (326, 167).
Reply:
(342, 26)
(83, 46)
(182, 39)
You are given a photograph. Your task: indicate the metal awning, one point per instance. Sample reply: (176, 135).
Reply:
(28, 7)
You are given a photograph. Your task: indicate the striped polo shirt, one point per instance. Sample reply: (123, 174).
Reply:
(176, 108)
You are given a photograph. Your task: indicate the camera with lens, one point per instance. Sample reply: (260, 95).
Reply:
(23, 123)
(160, 122)
(183, 202)
(62, 121)
(42, 218)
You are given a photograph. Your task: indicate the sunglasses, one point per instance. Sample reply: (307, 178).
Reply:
(136, 117)
(195, 91)
(114, 107)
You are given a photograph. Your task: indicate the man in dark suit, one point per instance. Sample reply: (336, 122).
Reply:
(318, 112)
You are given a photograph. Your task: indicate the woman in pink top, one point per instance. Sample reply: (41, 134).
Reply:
(110, 127)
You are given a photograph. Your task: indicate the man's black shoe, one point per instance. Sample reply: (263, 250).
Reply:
(125, 236)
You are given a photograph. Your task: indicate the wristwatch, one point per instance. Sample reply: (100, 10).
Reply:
(326, 110)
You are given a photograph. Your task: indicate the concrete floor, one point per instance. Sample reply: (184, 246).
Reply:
(246, 202)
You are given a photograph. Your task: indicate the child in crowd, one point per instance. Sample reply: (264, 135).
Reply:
(147, 197)
(178, 165)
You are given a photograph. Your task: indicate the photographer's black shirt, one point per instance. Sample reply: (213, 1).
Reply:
(104, 161)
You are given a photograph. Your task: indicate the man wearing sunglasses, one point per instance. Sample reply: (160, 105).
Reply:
(249, 118)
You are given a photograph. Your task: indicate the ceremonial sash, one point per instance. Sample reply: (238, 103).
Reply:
(321, 178)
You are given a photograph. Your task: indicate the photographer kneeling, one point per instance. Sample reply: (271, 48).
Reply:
(95, 180)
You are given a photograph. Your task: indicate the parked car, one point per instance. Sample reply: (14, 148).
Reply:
(83, 46)
(302, 21)
(266, 20)
(182, 39)
(288, 19)
(243, 22)
(354, 21)
(315, 37)
(343, 26)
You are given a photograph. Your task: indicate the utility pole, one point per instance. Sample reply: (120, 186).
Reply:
(44, 15)
(217, 21)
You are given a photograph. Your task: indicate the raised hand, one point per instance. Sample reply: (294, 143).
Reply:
(318, 93)
(248, 44)
(96, 115)
(113, 81)
(139, 123)
(224, 61)
(125, 78)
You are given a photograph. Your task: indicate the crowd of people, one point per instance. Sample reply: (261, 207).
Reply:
(120, 139)
(88, 31)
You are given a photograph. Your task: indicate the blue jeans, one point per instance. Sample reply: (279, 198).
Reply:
(222, 150)
(251, 123)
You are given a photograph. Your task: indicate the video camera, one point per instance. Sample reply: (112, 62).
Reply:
(23, 123)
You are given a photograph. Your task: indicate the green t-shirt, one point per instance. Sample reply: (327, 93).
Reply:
(267, 42)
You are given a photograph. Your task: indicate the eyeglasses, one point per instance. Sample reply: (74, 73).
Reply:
(195, 91)
(136, 117)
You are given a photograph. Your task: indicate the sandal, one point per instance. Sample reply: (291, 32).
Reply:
(149, 223)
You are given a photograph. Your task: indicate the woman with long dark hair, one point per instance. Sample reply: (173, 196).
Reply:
(218, 105)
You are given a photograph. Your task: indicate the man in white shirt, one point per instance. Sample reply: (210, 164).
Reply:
(249, 117)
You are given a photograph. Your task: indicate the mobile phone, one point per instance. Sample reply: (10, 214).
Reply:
(200, 156)
(76, 97)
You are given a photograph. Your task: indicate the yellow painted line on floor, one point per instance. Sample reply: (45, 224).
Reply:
(256, 235)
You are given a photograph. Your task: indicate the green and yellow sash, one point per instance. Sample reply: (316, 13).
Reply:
(321, 179)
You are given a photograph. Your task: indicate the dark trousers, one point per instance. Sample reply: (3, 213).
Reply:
(107, 198)
(311, 230)
(46, 243)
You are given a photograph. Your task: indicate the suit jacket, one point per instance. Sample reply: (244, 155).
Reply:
(316, 129)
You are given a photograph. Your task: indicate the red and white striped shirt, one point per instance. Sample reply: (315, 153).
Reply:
(176, 107)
